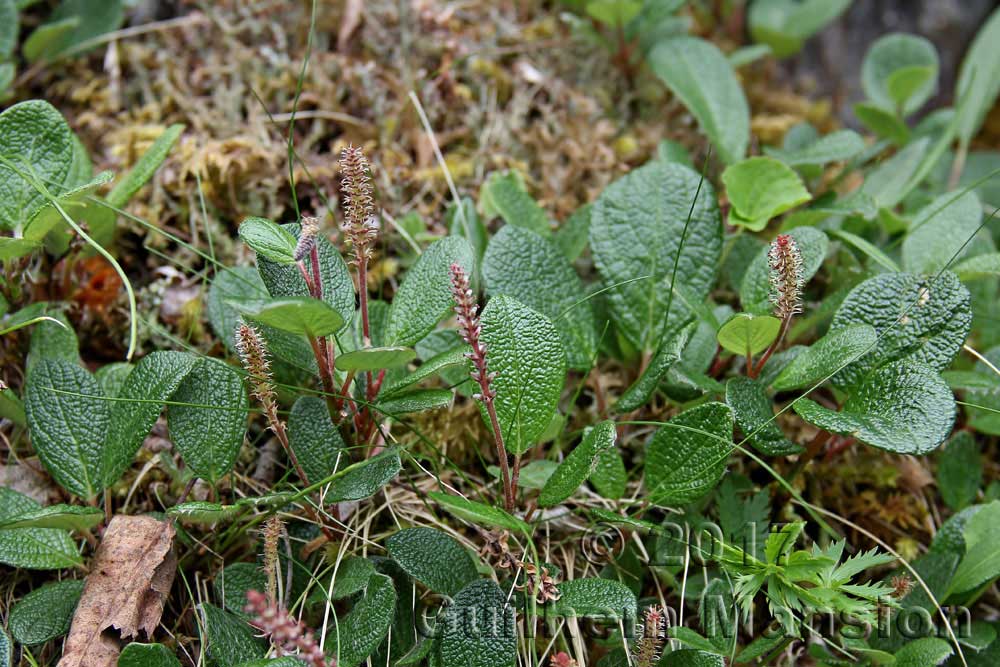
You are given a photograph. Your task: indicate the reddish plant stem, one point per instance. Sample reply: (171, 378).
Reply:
(754, 372)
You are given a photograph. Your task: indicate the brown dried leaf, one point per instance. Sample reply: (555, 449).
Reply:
(349, 23)
(126, 589)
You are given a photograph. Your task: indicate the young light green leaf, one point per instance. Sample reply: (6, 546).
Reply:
(526, 354)
(420, 400)
(939, 231)
(68, 430)
(269, 240)
(884, 124)
(284, 280)
(754, 413)
(228, 640)
(203, 512)
(33, 548)
(32, 133)
(578, 465)
(572, 236)
(478, 513)
(903, 407)
(448, 359)
(375, 358)
(747, 334)
(45, 613)
(834, 147)
(365, 478)
(314, 437)
(11, 248)
(635, 232)
(433, 558)
(701, 77)
(981, 562)
(595, 598)
(891, 180)
(354, 637)
(755, 289)
(532, 269)
(299, 315)
(479, 628)
(504, 194)
(45, 37)
(236, 284)
(8, 30)
(64, 517)
(137, 654)
(825, 356)
(761, 188)
(980, 266)
(960, 471)
(784, 25)
(916, 317)
(687, 456)
(900, 72)
(146, 166)
(978, 81)
(147, 387)
(424, 298)
(207, 418)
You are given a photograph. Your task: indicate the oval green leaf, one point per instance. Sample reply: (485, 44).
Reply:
(747, 334)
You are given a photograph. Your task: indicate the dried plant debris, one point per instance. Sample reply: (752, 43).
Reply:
(125, 593)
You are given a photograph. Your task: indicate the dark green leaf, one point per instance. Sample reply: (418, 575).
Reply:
(420, 400)
(354, 637)
(981, 562)
(834, 147)
(146, 166)
(299, 315)
(93, 19)
(903, 407)
(364, 479)
(754, 413)
(33, 548)
(45, 613)
(227, 638)
(609, 476)
(960, 471)
(479, 628)
(147, 655)
(314, 438)
(670, 351)
(203, 512)
(687, 456)
(503, 194)
(826, 356)
(375, 358)
(478, 513)
(923, 652)
(578, 465)
(269, 240)
(692, 658)
(448, 359)
(64, 517)
(233, 582)
(433, 558)
(526, 354)
(595, 598)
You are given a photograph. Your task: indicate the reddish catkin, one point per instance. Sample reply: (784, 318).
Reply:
(652, 635)
(786, 276)
(286, 632)
(253, 354)
(307, 238)
(360, 226)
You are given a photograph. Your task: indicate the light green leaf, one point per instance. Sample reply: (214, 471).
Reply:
(614, 13)
(269, 240)
(53, 338)
(747, 334)
(69, 431)
(45, 613)
(147, 387)
(939, 231)
(573, 234)
(526, 354)
(923, 652)
(433, 558)
(826, 356)
(203, 512)
(448, 359)
(595, 598)
(578, 465)
(284, 280)
(867, 248)
(687, 456)
(504, 194)
(834, 147)
(365, 478)
(692, 658)
(233, 582)
(478, 513)
(755, 289)
(981, 562)
(45, 38)
(914, 316)
(978, 79)
(980, 266)
(701, 77)
(960, 471)
(94, 18)
(64, 517)
(299, 315)
(36, 140)
(146, 166)
(900, 72)
(237, 284)
(784, 25)
(33, 548)
(884, 124)
(227, 639)
(479, 628)
(635, 231)
(532, 269)
(314, 437)
(424, 298)
(354, 637)
(8, 30)
(208, 431)
(11, 248)
(375, 358)
(420, 400)
(903, 407)
(760, 189)
(754, 413)
(136, 654)
(891, 180)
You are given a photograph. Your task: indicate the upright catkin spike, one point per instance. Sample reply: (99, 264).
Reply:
(785, 262)
(286, 632)
(253, 354)
(272, 533)
(360, 226)
(307, 238)
(652, 634)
